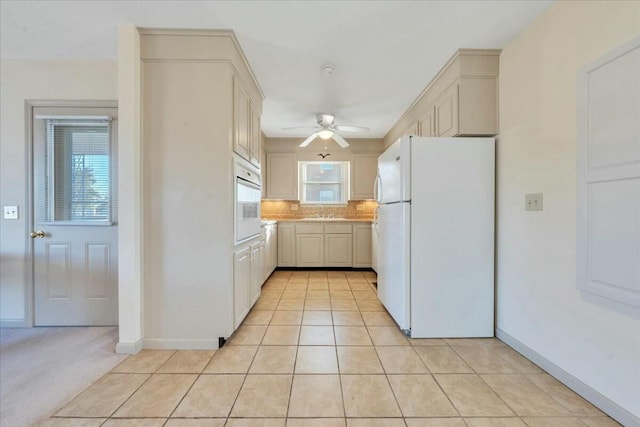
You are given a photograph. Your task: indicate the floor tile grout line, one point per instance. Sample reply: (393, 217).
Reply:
(464, 360)
(130, 396)
(293, 373)
(183, 397)
(516, 413)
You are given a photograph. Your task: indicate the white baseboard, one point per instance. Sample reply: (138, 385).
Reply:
(15, 323)
(180, 344)
(605, 404)
(129, 347)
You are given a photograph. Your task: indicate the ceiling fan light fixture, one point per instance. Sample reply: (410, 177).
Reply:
(325, 134)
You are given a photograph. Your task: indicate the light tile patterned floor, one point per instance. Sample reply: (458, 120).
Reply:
(318, 349)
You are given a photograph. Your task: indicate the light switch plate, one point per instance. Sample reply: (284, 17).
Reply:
(10, 212)
(360, 207)
(533, 202)
(294, 207)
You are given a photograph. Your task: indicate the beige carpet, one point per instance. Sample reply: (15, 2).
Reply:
(43, 368)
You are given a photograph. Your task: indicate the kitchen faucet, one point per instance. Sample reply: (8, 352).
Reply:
(322, 208)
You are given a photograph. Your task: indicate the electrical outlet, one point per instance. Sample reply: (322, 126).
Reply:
(533, 202)
(360, 207)
(294, 206)
(10, 212)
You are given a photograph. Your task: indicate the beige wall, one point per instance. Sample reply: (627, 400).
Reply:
(22, 80)
(310, 152)
(595, 340)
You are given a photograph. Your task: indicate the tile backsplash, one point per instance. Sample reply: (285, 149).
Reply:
(292, 209)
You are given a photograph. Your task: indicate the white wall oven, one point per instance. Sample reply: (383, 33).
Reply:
(247, 201)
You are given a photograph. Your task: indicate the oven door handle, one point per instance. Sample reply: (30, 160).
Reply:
(240, 180)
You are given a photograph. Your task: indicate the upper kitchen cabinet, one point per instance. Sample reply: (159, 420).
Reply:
(282, 176)
(427, 122)
(462, 100)
(246, 122)
(255, 137)
(364, 169)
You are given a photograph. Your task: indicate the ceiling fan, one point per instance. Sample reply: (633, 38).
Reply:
(326, 130)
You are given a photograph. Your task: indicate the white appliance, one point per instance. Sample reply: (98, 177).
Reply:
(247, 201)
(436, 235)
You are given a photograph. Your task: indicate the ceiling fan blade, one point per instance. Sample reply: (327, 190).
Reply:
(347, 128)
(340, 140)
(308, 140)
(301, 128)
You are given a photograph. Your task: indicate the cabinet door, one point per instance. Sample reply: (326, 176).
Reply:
(364, 168)
(241, 285)
(274, 249)
(269, 261)
(263, 171)
(256, 271)
(413, 129)
(427, 122)
(338, 250)
(309, 250)
(286, 245)
(241, 106)
(282, 176)
(446, 108)
(266, 261)
(362, 246)
(255, 136)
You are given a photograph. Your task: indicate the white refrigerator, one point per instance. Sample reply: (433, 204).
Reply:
(435, 258)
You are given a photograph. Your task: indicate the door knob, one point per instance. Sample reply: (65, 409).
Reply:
(37, 233)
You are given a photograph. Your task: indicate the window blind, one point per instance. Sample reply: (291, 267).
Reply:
(324, 182)
(78, 179)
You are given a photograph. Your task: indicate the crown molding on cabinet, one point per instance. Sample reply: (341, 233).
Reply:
(464, 64)
(159, 44)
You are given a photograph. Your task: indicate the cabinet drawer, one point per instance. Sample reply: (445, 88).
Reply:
(337, 228)
(309, 228)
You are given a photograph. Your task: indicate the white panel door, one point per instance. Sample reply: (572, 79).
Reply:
(74, 234)
(608, 176)
(394, 261)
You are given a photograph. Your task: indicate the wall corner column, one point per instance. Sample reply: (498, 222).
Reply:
(130, 248)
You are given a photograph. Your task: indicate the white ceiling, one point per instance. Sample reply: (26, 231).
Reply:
(385, 52)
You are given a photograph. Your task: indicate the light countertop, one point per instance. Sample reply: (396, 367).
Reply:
(318, 220)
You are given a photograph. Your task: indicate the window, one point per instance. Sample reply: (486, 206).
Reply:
(324, 182)
(78, 182)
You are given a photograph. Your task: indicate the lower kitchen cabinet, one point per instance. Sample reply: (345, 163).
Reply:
(362, 245)
(310, 250)
(247, 279)
(338, 250)
(324, 244)
(270, 255)
(286, 245)
(257, 275)
(241, 285)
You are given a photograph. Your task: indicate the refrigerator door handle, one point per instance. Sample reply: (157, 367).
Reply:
(377, 188)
